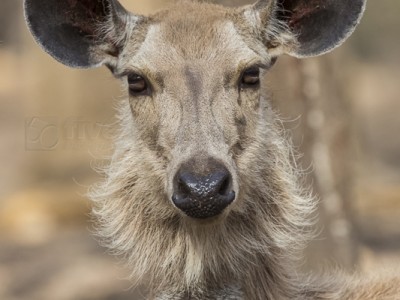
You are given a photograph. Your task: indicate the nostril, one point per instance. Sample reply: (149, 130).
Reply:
(183, 188)
(225, 186)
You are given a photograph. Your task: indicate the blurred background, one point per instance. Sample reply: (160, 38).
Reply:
(342, 110)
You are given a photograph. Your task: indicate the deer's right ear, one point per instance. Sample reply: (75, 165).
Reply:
(79, 33)
(304, 28)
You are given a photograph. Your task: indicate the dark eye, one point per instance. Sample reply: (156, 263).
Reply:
(137, 85)
(250, 77)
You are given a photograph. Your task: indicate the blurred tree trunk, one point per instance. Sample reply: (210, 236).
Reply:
(321, 132)
(9, 31)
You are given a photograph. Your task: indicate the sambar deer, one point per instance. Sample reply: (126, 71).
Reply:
(201, 195)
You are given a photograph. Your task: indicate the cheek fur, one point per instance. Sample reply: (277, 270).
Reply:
(246, 119)
(146, 121)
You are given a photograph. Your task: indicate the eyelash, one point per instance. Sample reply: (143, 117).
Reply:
(253, 74)
(250, 78)
(138, 85)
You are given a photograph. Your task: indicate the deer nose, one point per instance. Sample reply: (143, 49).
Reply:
(203, 196)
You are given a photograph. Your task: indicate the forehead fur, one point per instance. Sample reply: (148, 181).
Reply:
(194, 22)
(196, 31)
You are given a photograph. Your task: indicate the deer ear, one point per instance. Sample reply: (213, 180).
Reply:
(318, 26)
(78, 33)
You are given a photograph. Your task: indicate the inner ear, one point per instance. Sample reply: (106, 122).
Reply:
(78, 33)
(319, 25)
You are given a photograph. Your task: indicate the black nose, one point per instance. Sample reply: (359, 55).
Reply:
(202, 194)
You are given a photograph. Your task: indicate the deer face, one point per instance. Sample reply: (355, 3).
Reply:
(195, 98)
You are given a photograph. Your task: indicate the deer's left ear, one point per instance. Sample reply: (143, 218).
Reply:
(79, 33)
(316, 26)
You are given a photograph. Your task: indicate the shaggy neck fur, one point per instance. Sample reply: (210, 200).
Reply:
(250, 253)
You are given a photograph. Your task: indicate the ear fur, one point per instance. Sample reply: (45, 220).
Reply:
(318, 26)
(78, 33)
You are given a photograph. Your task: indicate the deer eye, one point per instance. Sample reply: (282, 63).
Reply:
(250, 77)
(137, 85)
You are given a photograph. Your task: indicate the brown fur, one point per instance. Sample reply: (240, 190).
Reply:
(193, 55)
(248, 253)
